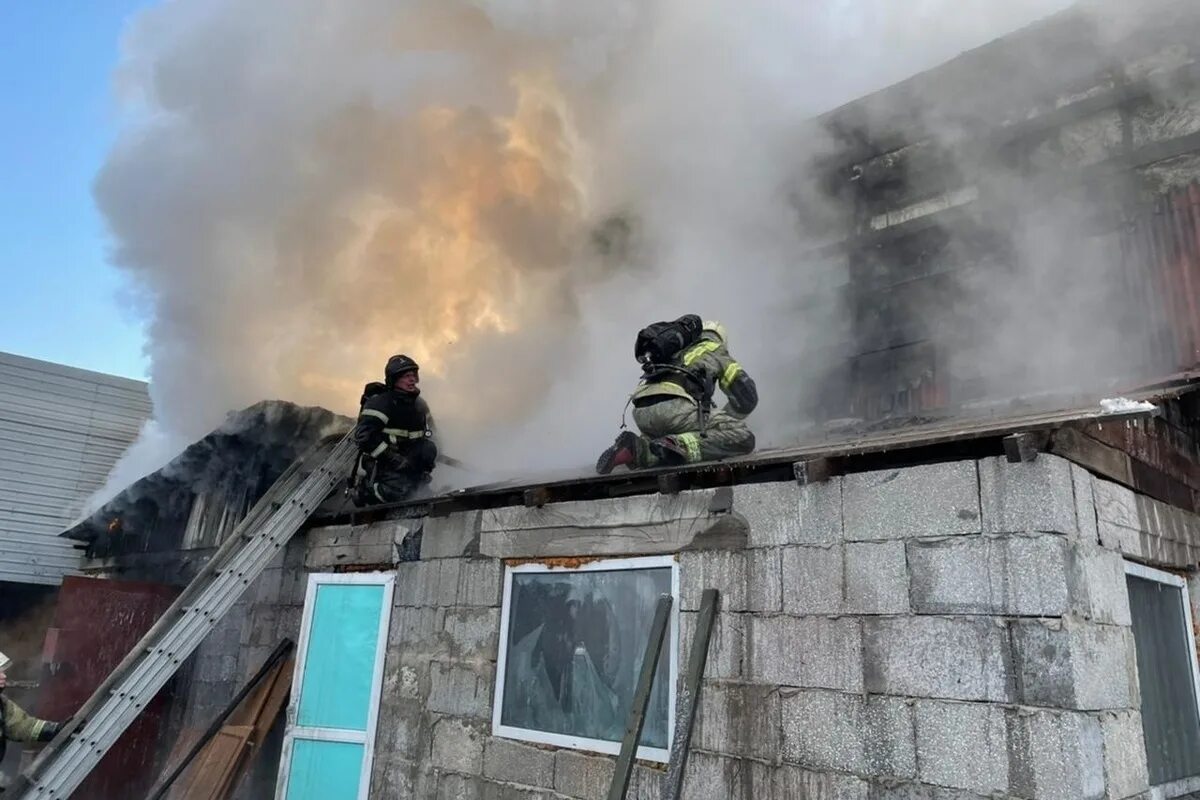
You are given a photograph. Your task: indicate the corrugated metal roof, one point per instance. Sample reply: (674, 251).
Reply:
(61, 431)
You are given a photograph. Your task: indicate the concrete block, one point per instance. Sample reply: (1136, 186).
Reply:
(506, 791)
(646, 783)
(406, 680)
(726, 645)
(876, 578)
(891, 789)
(962, 746)
(1056, 756)
(1098, 589)
(748, 580)
(1034, 495)
(716, 776)
(404, 730)
(952, 658)
(428, 583)
(639, 525)
(505, 760)
(848, 733)
(400, 779)
(458, 745)
(813, 580)
(267, 588)
(764, 580)
(472, 633)
(1116, 504)
(481, 582)
(452, 536)
(787, 513)
(738, 720)
(722, 570)
(461, 690)
(349, 544)
(1085, 504)
(807, 652)
(1125, 770)
(929, 500)
(459, 787)
(1128, 541)
(582, 776)
(1074, 665)
(1013, 575)
(417, 633)
(792, 782)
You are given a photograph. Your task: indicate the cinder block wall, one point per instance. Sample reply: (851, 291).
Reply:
(951, 631)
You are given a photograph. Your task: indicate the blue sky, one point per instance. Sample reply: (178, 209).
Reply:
(57, 120)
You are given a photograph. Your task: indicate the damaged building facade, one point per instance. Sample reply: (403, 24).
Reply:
(964, 599)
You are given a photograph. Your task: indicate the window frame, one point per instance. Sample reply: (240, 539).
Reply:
(670, 645)
(1189, 784)
(366, 738)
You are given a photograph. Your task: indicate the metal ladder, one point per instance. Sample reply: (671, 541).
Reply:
(271, 523)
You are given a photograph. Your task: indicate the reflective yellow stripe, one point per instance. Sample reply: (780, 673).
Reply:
(664, 388)
(730, 374)
(698, 351)
(378, 450)
(370, 412)
(37, 730)
(691, 441)
(403, 433)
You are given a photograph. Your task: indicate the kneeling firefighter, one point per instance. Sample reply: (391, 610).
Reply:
(395, 436)
(682, 363)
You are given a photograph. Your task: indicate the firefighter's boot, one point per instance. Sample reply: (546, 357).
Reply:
(668, 452)
(623, 452)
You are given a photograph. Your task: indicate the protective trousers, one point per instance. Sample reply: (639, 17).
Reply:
(724, 434)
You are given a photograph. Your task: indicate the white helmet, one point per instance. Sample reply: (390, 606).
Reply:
(712, 326)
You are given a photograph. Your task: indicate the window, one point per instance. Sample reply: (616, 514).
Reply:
(328, 746)
(572, 642)
(1167, 672)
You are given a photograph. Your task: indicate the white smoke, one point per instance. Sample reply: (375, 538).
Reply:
(305, 187)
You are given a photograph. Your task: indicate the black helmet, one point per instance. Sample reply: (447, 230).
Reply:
(397, 366)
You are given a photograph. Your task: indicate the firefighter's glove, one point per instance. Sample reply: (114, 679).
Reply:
(743, 396)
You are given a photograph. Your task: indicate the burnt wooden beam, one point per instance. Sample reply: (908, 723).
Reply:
(671, 483)
(1023, 447)
(1095, 456)
(536, 497)
(814, 470)
(1117, 465)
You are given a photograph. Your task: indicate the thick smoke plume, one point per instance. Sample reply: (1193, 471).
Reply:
(506, 191)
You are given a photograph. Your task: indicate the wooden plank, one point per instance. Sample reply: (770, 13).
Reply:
(210, 775)
(689, 699)
(641, 699)
(1092, 455)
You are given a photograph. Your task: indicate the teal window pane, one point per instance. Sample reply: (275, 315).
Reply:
(324, 770)
(335, 691)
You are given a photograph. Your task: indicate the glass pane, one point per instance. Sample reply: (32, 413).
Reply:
(575, 646)
(335, 691)
(1164, 659)
(324, 770)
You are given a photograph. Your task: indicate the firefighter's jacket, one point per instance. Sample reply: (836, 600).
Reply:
(395, 421)
(695, 372)
(19, 726)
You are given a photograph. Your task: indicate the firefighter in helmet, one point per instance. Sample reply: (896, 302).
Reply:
(395, 435)
(682, 364)
(17, 725)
